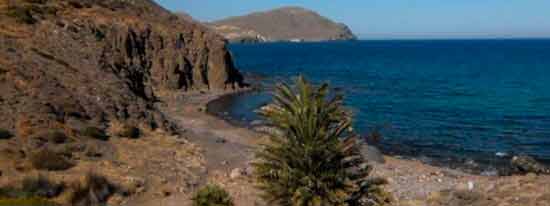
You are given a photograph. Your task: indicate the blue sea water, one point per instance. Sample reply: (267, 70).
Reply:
(469, 101)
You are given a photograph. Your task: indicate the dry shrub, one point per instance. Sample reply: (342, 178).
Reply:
(96, 133)
(46, 159)
(33, 192)
(5, 134)
(458, 198)
(124, 130)
(22, 14)
(56, 136)
(92, 190)
(40, 186)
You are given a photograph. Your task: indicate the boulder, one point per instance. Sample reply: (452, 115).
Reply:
(527, 164)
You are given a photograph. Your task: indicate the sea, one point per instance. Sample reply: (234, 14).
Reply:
(470, 104)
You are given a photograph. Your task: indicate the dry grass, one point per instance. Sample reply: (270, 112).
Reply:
(23, 127)
(26, 202)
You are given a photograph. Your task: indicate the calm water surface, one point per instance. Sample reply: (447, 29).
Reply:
(468, 101)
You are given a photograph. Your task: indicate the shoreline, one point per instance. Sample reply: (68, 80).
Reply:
(227, 148)
(215, 107)
(411, 180)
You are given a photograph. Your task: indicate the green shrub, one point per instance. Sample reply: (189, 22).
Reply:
(5, 134)
(96, 133)
(21, 14)
(316, 160)
(212, 195)
(46, 159)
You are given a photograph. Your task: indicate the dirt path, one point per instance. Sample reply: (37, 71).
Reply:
(224, 148)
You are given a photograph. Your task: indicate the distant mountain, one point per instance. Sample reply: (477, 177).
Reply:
(282, 24)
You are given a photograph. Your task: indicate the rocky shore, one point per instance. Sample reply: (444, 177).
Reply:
(229, 148)
(117, 113)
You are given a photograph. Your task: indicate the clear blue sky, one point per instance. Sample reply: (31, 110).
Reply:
(381, 19)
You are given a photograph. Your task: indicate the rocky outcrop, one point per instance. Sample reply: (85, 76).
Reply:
(87, 63)
(283, 24)
(527, 164)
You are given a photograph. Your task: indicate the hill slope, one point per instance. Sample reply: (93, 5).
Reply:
(75, 74)
(108, 59)
(283, 24)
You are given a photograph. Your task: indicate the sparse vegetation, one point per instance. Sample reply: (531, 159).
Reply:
(129, 132)
(5, 134)
(96, 133)
(46, 159)
(316, 161)
(212, 195)
(57, 137)
(99, 35)
(40, 186)
(94, 190)
(33, 192)
(21, 14)
(36, 191)
(36, 1)
(124, 130)
(35, 201)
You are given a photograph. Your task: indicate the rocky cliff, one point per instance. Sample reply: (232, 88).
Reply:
(283, 24)
(69, 64)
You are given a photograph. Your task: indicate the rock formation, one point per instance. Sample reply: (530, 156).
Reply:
(283, 24)
(70, 64)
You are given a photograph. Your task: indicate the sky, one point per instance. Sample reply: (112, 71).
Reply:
(401, 19)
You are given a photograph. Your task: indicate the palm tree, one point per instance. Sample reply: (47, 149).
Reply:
(315, 161)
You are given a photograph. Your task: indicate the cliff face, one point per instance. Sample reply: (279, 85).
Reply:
(283, 24)
(68, 64)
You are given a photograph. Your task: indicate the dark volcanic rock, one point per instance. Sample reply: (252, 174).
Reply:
(86, 63)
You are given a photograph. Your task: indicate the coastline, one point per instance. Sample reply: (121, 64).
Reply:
(218, 107)
(410, 181)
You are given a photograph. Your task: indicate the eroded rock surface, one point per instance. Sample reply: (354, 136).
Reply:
(89, 62)
(75, 73)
